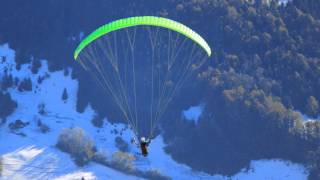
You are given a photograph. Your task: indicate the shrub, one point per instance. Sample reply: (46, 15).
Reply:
(122, 161)
(42, 109)
(43, 127)
(155, 175)
(97, 121)
(121, 144)
(101, 158)
(75, 142)
(18, 124)
(42, 78)
(25, 85)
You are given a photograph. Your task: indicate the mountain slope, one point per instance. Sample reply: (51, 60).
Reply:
(28, 153)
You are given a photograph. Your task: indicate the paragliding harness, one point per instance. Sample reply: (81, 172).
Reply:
(143, 144)
(144, 148)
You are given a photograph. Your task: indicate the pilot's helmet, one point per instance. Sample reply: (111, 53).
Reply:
(143, 139)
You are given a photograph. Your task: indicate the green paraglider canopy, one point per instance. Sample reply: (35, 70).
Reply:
(143, 20)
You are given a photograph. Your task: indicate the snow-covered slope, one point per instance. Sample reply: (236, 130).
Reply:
(36, 157)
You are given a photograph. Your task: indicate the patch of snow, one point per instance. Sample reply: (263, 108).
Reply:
(28, 163)
(306, 118)
(273, 169)
(283, 2)
(81, 35)
(193, 113)
(77, 176)
(14, 161)
(76, 38)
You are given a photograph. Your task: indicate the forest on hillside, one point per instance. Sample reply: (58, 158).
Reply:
(266, 70)
(265, 73)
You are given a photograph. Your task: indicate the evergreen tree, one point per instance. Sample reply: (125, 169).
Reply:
(36, 64)
(7, 81)
(64, 95)
(7, 105)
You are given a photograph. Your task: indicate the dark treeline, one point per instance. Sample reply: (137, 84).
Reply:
(264, 69)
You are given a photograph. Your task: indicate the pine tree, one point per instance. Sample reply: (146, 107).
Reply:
(7, 105)
(65, 95)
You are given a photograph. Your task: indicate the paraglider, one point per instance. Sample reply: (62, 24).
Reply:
(142, 144)
(141, 63)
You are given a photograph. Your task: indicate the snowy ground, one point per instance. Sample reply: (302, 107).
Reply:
(306, 118)
(35, 156)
